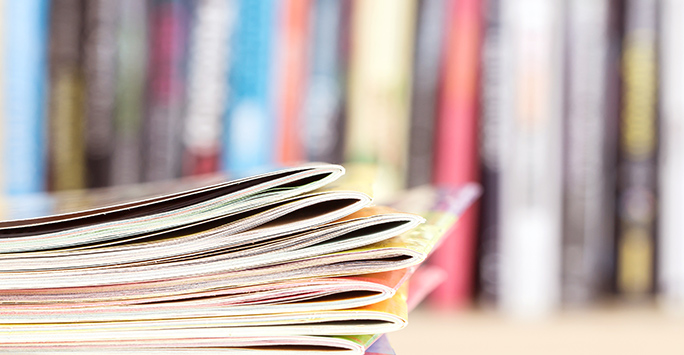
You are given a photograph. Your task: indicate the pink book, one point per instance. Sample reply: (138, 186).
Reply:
(456, 145)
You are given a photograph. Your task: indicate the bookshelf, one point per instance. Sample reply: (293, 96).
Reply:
(567, 112)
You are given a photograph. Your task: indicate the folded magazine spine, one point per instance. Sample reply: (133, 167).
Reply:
(275, 265)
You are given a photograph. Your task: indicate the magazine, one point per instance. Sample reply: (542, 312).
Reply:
(282, 261)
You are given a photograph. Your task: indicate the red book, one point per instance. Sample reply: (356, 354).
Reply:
(292, 65)
(456, 145)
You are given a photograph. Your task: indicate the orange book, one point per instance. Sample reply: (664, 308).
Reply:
(291, 62)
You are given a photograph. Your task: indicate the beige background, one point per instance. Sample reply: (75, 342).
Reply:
(609, 330)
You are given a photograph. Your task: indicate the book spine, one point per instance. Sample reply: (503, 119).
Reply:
(66, 141)
(24, 88)
(588, 189)
(377, 128)
(291, 65)
(169, 23)
(531, 156)
(671, 161)
(207, 84)
(250, 124)
(131, 66)
(427, 56)
(99, 57)
(490, 166)
(637, 153)
(3, 115)
(456, 145)
(322, 139)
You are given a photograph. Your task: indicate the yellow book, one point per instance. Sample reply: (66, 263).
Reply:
(66, 138)
(377, 128)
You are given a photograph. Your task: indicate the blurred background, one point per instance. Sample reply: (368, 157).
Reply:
(568, 112)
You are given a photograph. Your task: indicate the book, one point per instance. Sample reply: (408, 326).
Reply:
(377, 127)
(249, 126)
(427, 58)
(323, 107)
(291, 259)
(487, 273)
(589, 155)
(209, 52)
(380, 347)
(131, 64)
(2, 102)
(66, 159)
(670, 165)
(289, 79)
(456, 145)
(169, 22)
(100, 29)
(531, 156)
(24, 91)
(636, 189)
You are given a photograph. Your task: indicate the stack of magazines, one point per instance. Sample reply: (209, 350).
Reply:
(296, 260)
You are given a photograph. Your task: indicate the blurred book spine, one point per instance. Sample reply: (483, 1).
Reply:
(324, 94)
(489, 135)
(209, 50)
(99, 57)
(377, 129)
(24, 91)
(671, 159)
(456, 145)
(250, 124)
(291, 51)
(427, 65)
(637, 148)
(589, 160)
(3, 114)
(66, 138)
(531, 156)
(169, 21)
(131, 72)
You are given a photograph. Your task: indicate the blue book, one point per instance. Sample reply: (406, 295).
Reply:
(249, 131)
(24, 102)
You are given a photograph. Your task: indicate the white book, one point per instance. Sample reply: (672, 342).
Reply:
(671, 160)
(531, 156)
(207, 76)
(2, 109)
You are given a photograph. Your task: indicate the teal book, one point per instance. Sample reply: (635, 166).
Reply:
(249, 123)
